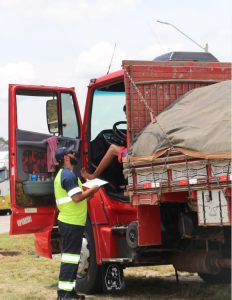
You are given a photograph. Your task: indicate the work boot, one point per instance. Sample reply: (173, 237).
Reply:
(76, 296)
(69, 296)
(79, 297)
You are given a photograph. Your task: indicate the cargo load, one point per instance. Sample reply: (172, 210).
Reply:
(197, 124)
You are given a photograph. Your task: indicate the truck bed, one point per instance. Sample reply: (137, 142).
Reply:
(173, 176)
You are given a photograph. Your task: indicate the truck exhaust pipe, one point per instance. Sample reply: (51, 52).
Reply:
(200, 262)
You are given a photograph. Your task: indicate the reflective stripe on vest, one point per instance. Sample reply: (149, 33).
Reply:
(74, 191)
(61, 195)
(70, 212)
(68, 199)
(63, 200)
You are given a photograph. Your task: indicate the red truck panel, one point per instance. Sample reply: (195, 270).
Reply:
(161, 83)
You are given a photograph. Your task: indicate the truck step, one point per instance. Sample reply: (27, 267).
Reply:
(119, 230)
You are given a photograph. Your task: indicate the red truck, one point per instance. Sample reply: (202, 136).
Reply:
(134, 221)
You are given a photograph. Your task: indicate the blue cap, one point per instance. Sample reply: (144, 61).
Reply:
(61, 152)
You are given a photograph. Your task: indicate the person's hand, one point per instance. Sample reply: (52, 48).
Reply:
(95, 188)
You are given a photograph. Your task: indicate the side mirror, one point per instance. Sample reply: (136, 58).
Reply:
(52, 116)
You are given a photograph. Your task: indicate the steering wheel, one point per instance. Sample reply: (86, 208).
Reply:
(119, 132)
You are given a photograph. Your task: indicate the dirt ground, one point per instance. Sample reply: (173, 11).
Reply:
(159, 283)
(25, 276)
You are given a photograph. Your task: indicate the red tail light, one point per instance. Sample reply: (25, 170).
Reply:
(151, 185)
(225, 178)
(183, 182)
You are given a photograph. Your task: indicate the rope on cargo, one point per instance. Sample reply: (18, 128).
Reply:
(218, 182)
(187, 169)
(165, 168)
(153, 120)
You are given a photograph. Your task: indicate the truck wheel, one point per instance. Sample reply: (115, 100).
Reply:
(89, 277)
(132, 235)
(223, 277)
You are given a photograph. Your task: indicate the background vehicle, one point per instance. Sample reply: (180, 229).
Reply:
(125, 227)
(5, 204)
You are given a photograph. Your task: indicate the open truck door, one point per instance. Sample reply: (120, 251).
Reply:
(40, 119)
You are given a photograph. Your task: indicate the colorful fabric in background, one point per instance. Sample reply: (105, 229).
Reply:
(34, 161)
(51, 148)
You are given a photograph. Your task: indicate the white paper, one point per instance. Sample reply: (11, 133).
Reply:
(94, 182)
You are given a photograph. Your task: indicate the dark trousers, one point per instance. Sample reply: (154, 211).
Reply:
(71, 241)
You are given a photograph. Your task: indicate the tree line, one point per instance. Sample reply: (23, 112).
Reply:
(3, 144)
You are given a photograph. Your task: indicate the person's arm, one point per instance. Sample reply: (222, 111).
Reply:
(85, 194)
(69, 183)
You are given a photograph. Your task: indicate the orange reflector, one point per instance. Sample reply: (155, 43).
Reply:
(186, 182)
(225, 178)
(147, 185)
(151, 185)
(183, 182)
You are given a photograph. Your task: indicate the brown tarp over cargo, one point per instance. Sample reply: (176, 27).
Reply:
(198, 124)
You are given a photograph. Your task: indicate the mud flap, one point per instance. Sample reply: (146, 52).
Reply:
(112, 278)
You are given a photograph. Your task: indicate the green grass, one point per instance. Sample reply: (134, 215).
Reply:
(24, 276)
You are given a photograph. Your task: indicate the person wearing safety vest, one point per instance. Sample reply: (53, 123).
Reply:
(72, 206)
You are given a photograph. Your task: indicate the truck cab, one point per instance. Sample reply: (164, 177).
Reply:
(55, 121)
(120, 232)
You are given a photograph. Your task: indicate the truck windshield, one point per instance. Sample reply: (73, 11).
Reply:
(107, 109)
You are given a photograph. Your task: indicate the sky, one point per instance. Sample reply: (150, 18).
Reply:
(68, 42)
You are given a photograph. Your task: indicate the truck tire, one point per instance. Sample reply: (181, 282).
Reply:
(132, 235)
(89, 278)
(223, 277)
